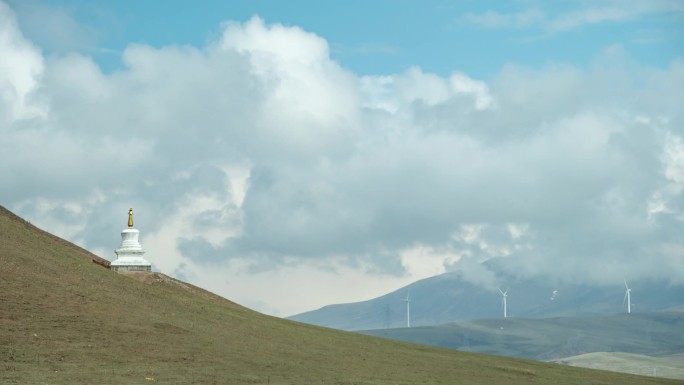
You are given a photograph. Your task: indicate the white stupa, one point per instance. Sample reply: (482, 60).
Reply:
(129, 255)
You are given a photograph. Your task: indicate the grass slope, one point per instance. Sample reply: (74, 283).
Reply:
(67, 320)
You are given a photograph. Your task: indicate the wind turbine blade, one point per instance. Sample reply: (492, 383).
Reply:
(624, 299)
(502, 293)
(626, 287)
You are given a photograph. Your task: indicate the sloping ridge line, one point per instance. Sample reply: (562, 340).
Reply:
(61, 242)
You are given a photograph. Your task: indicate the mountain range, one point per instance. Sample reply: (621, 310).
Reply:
(451, 297)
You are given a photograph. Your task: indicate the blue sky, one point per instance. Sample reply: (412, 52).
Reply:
(289, 155)
(376, 37)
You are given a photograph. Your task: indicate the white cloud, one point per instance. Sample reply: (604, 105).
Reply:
(673, 160)
(492, 19)
(20, 70)
(55, 27)
(261, 169)
(557, 19)
(589, 16)
(399, 92)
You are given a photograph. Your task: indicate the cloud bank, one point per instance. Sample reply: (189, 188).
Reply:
(263, 170)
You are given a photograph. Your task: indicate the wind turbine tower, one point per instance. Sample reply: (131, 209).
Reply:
(504, 294)
(388, 318)
(408, 310)
(628, 298)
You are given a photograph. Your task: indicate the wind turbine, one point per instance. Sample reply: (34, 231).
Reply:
(628, 298)
(408, 310)
(505, 295)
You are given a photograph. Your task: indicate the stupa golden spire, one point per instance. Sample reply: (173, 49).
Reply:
(130, 217)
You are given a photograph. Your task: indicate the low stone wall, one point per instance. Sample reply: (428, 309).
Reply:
(102, 262)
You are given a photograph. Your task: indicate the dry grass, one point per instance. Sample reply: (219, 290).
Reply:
(67, 320)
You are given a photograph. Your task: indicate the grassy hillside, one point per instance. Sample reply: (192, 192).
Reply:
(667, 366)
(552, 338)
(67, 320)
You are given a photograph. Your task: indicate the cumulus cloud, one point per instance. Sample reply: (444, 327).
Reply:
(55, 28)
(20, 70)
(258, 166)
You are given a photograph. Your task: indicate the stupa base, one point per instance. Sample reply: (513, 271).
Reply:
(131, 267)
